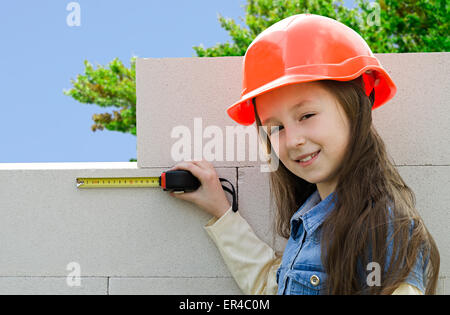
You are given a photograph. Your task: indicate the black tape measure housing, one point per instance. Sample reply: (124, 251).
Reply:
(178, 180)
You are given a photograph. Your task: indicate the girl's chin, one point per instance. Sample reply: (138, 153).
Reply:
(310, 178)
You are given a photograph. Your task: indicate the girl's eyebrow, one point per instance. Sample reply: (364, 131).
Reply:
(301, 103)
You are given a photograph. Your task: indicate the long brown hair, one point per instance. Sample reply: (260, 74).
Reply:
(368, 185)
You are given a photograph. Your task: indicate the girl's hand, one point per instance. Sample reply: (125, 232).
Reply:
(210, 196)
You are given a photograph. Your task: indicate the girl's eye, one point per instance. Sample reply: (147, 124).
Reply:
(307, 115)
(274, 129)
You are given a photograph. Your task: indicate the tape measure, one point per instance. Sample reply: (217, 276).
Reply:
(178, 180)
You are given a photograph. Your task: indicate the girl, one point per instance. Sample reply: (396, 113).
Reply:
(349, 217)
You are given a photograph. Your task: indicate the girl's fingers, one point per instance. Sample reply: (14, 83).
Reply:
(180, 166)
(198, 163)
(204, 164)
(191, 167)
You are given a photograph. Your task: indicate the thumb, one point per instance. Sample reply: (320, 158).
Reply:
(188, 196)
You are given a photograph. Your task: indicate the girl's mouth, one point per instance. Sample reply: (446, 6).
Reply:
(309, 160)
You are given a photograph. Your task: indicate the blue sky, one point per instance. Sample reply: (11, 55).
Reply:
(40, 53)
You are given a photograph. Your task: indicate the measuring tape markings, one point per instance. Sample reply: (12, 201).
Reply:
(177, 181)
(118, 182)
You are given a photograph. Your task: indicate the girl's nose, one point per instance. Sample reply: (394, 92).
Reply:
(294, 138)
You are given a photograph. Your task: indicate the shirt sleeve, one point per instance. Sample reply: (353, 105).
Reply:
(252, 263)
(407, 289)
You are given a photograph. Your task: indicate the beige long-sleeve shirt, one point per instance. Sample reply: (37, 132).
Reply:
(252, 263)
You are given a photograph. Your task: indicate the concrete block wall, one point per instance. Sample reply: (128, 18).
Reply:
(124, 240)
(141, 241)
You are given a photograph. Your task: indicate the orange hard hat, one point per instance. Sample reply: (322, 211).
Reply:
(304, 48)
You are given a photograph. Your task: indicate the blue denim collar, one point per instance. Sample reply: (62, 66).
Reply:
(313, 212)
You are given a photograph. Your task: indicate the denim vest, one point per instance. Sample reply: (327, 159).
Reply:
(301, 271)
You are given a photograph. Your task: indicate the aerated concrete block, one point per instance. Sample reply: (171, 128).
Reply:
(47, 223)
(441, 286)
(188, 94)
(415, 124)
(170, 286)
(51, 286)
(254, 203)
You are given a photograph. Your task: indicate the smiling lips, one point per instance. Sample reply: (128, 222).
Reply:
(306, 157)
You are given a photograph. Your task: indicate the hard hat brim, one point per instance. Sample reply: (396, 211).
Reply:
(243, 113)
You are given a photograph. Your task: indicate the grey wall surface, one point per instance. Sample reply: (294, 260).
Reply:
(142, 241)
(125, 240)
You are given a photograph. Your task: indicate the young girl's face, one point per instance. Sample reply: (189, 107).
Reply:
(310, 120)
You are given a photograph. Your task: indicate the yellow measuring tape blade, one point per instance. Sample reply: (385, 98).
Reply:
(117, 182)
